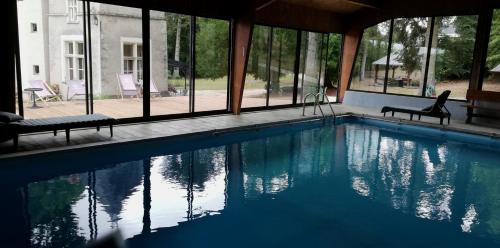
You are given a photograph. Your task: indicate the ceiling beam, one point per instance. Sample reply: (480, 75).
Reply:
(365, 3)
(264, 4)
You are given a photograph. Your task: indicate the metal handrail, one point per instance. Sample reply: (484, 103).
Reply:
(316, 102)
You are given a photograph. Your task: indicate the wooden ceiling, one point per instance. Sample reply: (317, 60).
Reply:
(316, 15)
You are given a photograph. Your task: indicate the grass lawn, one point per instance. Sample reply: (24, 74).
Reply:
(215, 84)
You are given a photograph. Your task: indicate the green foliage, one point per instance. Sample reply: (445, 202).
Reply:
(410, 33)
(185, 26)
(493, 58)
(212, 44)
(333, 66)
(456, 60)
(258, 53)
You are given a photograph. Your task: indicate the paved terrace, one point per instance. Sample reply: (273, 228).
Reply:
(35, 143)
(132, 107)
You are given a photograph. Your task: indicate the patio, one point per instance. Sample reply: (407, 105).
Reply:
(132, 107)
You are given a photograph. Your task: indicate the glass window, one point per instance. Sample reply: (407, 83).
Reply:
(117, 77)
(74, 57)
(450, 63)
(310, 65)
(255, 92)
(56, 48)
(72, 11)
(132, 60)
(369, 70)
(212, 59)
(284, 43)
(408, 56)
(171, 63)
(492, 74)
(333, 65)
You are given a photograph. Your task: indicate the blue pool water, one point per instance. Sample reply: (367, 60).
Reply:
(361, 183)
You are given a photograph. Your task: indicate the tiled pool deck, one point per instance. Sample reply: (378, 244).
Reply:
(42, 142)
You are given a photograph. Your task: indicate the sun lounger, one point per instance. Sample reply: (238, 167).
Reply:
(46, 94)
(127, 85)
(61, 123)
(153, 89)
(75, 88)
(438, 109)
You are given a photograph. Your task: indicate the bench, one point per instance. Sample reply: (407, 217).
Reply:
(65, 123)
(483, 96)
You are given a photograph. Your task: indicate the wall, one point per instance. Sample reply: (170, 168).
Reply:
(118, 23)
(377, 101)
(31, 44)
(59, 31)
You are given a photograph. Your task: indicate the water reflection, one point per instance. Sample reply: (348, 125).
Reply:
(421, 177)
(351, 171)
(71, 210)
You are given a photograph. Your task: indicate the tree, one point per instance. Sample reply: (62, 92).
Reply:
(493, 58)
(457, 51)
(180, 37)
(332, 68)
(374, 44)
(409, 32)
(283, 55)
(212, 44)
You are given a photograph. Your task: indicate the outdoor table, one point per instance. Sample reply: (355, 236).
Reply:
(33, 95)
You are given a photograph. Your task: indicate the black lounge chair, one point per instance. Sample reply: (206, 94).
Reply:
(438, 109)
(60, 123)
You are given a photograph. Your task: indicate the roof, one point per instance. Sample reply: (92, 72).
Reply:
(496, 69)
(392, 62)
(397, 47)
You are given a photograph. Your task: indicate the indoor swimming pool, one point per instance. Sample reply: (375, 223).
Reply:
(359, 183)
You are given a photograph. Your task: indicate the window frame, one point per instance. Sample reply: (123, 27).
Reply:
(72, 11)
(427, 59)
(75, 56)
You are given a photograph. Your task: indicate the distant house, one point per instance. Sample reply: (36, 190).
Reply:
(496, 72)
(52, 48)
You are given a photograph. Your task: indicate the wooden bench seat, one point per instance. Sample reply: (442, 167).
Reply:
(65, 123)
(483, 96)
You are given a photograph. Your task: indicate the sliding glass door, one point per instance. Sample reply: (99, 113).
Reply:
(170, 84)
(117, 50)
(52, 58)
(82, 57)
(211, 64)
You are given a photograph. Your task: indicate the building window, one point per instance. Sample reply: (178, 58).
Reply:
(36, 69)
(34, 27)
(72, 11)
(132, 60)
(74, 60)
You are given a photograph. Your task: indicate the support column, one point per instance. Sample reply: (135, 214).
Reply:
(352, 39)
(7, 55)
(480, 49)
(242, 37)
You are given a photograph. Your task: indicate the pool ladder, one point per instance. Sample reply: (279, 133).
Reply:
(321, 92)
